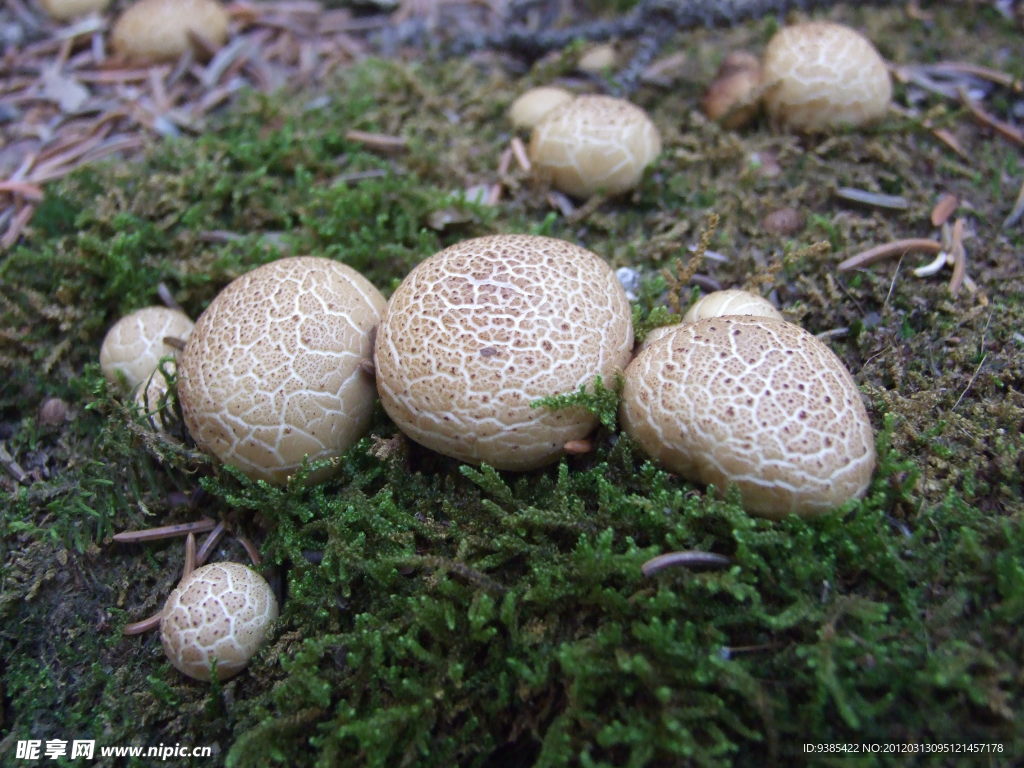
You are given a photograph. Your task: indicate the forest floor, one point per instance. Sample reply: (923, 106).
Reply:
(438, 614)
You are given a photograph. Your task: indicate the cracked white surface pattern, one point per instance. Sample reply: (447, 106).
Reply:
(271, 373)
(820, 75)
(756, 402)
(220, 611)
(134, 344)
(480, 330)
(593, 144)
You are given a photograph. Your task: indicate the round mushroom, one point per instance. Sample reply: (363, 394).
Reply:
(755, 402)
(730, 301)
(530, 107)
(151, 397)
(273, 373)
(819, 75)
(594, 144)
(734, 96)
(159, 30)
(134, 345)
(63, 10)
(220, 613)
(478, 332)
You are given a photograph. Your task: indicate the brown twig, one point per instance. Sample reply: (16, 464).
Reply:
(165, 531)
(888, 251)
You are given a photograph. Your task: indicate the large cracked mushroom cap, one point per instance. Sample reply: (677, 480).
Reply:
(819, 75)
(755, 402)
(479, 331)
(594, 144)
(272, 374)
(220, 612)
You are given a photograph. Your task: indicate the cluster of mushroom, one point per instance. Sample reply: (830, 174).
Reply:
(812, 77)
(155, 30)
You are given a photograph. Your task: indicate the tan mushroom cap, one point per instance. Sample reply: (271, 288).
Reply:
(70, 9)
(594, 144)
(479, 331)
(272, 373)
(530, 107)
(221, 612)
(158, 30)
(151, 398)
(734, 96)
(134, 345)
(729, 301)
(755, 402)
(819, 75)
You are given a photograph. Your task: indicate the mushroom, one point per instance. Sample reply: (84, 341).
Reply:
(150, 398)
(273, 371)
(160, 30)
(734, 96)
(594, 144)
(134, 345)
(755, 402)
(731, 301)
(218, 613)
(479, 331)
(63, 10)
(531, 106)
(819, 75)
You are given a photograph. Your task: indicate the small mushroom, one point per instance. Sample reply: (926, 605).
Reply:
(478, 332)
(734, 96)
(151, 397)
(272, 373)
(819, 75)
(594, 144)
(159, 30)
(528, 110)
(755, 402)
(134, 345)
(219, 613)
(598, 59)
(730, 301)
(63, 10)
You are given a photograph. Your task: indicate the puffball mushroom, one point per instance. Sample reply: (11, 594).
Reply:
(755, 402)
(150, 398)
(819, 75)
(730, 301)
(594, 144)
(734, 96)
(158, 30)
(70, 9)
(134, 345)
(272, 373)
(530, 107)
(482, 329)
(220, 612)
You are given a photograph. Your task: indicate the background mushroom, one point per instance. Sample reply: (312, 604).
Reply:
(70, 9)
(134, 345)
(479, 331)
(530, 107)
(220, 612)
(754, 402)
(158, 30)
(820, 75)
(730, 301)
(734, 96)
(594, 144)
(272, 374)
